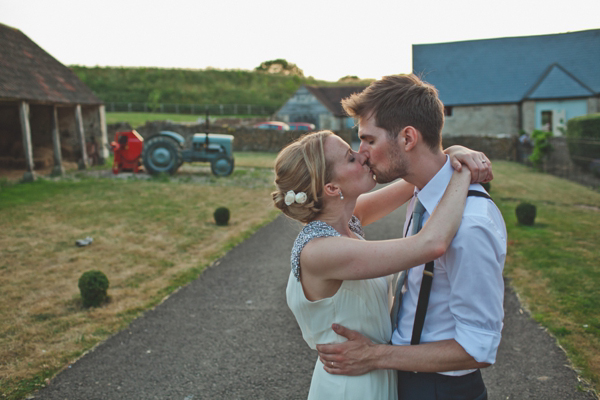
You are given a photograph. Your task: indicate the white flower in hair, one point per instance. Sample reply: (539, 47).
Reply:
(290, 197)
(301, 197)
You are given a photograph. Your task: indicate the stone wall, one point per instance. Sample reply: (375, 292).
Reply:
(593, 104)
(559, 163)
(528, 112)
(496, 148)
(246, 139)
(489, 120)
(559, 159)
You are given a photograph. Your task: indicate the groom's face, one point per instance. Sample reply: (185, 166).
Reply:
(385, 156)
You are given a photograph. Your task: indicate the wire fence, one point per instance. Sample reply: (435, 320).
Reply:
(192, 109)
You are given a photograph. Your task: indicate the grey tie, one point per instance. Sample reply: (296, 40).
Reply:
(400, 277)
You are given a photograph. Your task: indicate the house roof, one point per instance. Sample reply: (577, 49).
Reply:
(29, 73)
(331, 96)
(509, 70)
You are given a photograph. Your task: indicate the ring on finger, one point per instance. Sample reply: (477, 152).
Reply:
(332, 364)
(483, 161)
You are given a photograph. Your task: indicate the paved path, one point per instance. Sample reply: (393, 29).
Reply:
(230, 335)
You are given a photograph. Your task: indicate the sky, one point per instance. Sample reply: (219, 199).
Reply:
(327, 39)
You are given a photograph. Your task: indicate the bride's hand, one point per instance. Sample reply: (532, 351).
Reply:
(476, 161)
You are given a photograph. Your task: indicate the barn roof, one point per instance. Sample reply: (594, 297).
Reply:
(509, 70)
(28, 73)
(331, 96)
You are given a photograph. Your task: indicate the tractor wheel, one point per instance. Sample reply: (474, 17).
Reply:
(162, 154)
(222, 166)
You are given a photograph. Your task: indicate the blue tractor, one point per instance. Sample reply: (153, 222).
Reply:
(165, 152)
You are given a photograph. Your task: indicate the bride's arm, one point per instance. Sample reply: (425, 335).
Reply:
(341, 258)
(375, 205)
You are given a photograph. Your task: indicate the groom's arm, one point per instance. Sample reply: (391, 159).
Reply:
(359, 355)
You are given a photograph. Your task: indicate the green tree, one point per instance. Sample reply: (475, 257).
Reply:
(279, 66)
(154, 99)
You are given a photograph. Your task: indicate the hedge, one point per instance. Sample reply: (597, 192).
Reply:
(582, 133)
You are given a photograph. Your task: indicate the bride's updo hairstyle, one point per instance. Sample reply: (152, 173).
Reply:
(302, 167)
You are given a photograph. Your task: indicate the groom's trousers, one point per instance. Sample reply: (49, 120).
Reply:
(432, 386)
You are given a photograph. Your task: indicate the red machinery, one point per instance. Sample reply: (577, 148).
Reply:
(127, 148)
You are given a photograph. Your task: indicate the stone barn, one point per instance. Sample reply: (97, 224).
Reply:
(47, 114)
(505, 85)
(319, 105)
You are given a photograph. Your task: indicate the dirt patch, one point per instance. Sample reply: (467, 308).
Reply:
(14, 174)
(588, 207)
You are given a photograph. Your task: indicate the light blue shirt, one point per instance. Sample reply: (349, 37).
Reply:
(466, 301)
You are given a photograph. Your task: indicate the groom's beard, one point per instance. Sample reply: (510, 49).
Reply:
(398, 167)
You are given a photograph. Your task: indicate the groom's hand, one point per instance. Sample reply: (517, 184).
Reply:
(354, 357)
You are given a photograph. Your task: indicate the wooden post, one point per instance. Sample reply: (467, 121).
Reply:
(29, 175)
(58, 169)
(103, 135)
(83, 163)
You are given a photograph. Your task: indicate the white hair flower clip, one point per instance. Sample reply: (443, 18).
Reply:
(291, 197)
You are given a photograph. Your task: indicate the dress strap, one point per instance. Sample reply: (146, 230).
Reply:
(356, 226)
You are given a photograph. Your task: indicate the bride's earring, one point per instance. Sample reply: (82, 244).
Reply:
(341, 195)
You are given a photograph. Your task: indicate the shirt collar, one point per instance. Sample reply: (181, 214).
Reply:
(432, 192)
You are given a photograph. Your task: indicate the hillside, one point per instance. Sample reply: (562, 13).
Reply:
(187, 86)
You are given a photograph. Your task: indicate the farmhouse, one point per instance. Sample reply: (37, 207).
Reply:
(46, 112)
(505, 85)
(320, 106)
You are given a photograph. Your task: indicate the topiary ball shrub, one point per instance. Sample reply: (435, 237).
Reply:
(487, 186)
(222, 216)
(92, 286)
(526, 213)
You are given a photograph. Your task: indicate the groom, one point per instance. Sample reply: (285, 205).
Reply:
(400, 125)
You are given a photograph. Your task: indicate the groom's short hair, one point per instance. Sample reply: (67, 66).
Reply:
(398, 101)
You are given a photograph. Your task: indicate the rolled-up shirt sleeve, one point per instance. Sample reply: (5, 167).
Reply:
(474, 263)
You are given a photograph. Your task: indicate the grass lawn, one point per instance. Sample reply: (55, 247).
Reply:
(554, 264)
(152, 236)
(254, 159)
(137, 119)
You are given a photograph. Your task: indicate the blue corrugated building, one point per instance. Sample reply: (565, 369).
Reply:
(501, 86)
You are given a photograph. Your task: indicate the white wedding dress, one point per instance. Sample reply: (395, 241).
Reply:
(358, 305)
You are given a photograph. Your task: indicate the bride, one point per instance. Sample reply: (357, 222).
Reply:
(337, 276)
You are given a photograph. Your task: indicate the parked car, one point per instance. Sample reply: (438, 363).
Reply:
(280, 126)
(301, 126)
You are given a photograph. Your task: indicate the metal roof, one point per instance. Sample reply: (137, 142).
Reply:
(508, 70)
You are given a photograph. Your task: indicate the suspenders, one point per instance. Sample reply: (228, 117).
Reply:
(425, 290)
